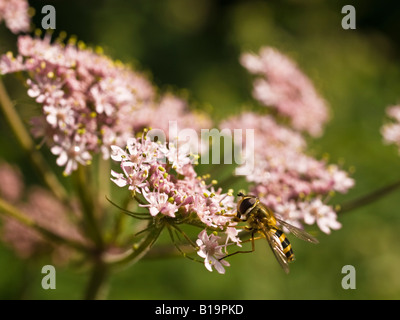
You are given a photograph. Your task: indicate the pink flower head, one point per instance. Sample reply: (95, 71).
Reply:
(15, 13)
(391, 130)
(11, 186)
(282, 86)
(323, 215)
(285, 178)
(91, 101)
(48, 213)
(87, 99)
(168, 182)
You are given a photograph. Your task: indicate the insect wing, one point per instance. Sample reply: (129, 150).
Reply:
(276, 248)
(299, 233)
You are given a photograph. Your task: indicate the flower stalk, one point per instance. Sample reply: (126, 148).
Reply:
(27, 144)
(134, 254)
(369, 198)
(90, 208)
(97, 286)
(10, 211)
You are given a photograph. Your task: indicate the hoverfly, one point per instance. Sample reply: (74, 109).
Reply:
(261, 219)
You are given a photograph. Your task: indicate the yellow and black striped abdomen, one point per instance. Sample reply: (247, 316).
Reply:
(286, 245)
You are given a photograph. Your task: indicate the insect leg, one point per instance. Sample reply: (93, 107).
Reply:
(253, 247)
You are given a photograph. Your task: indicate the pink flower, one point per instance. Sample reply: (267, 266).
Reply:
(232, 235)
(119, 179)
(11, 186)
(170, 107)
(15, 13)
(391, 130)
(178, 157)
(290, 211)
(10, 64)
(285, 178)
(341, 181)
(323, 215)
(45, 211)
(158, 203)
(87, 95)
(70, 153)
(172, 187)
(211, 251)
(284, 87)
(394, 112)
(60, 115)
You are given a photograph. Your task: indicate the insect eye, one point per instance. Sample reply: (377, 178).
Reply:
(245, 204)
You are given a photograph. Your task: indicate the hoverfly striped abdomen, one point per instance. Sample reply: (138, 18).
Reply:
(262, 220)
(286, 245)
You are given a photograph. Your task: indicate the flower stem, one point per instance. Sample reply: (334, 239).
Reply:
(133, 255)
(90, 207)
(103, 183)
(369, 198)
(11, 211)
(27, 144)
(96, 287)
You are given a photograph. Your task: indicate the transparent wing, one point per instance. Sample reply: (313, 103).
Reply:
(276, 248)
(299, 233)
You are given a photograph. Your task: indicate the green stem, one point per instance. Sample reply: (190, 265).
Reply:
(96, 287)
(103, 177)
(89, 206)
(27, 144)
(133, 255)
(168, 251)
(11, 211)
(120, 219)
(369, 198)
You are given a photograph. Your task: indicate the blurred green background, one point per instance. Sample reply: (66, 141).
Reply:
(195, 45)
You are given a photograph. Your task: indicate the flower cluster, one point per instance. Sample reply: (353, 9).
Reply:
(89, 102)
(294, 184)
(391, 131)
(285, 178)
(170, 108)
(164, 175)
(285, 88)
(16, 15)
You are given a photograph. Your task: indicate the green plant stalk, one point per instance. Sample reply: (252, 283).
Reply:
(97, 285)
(90, 208)
(103, 185)
(119, 222)
(133, 255)
(11, 211)
(27, 144)
(369, 198)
